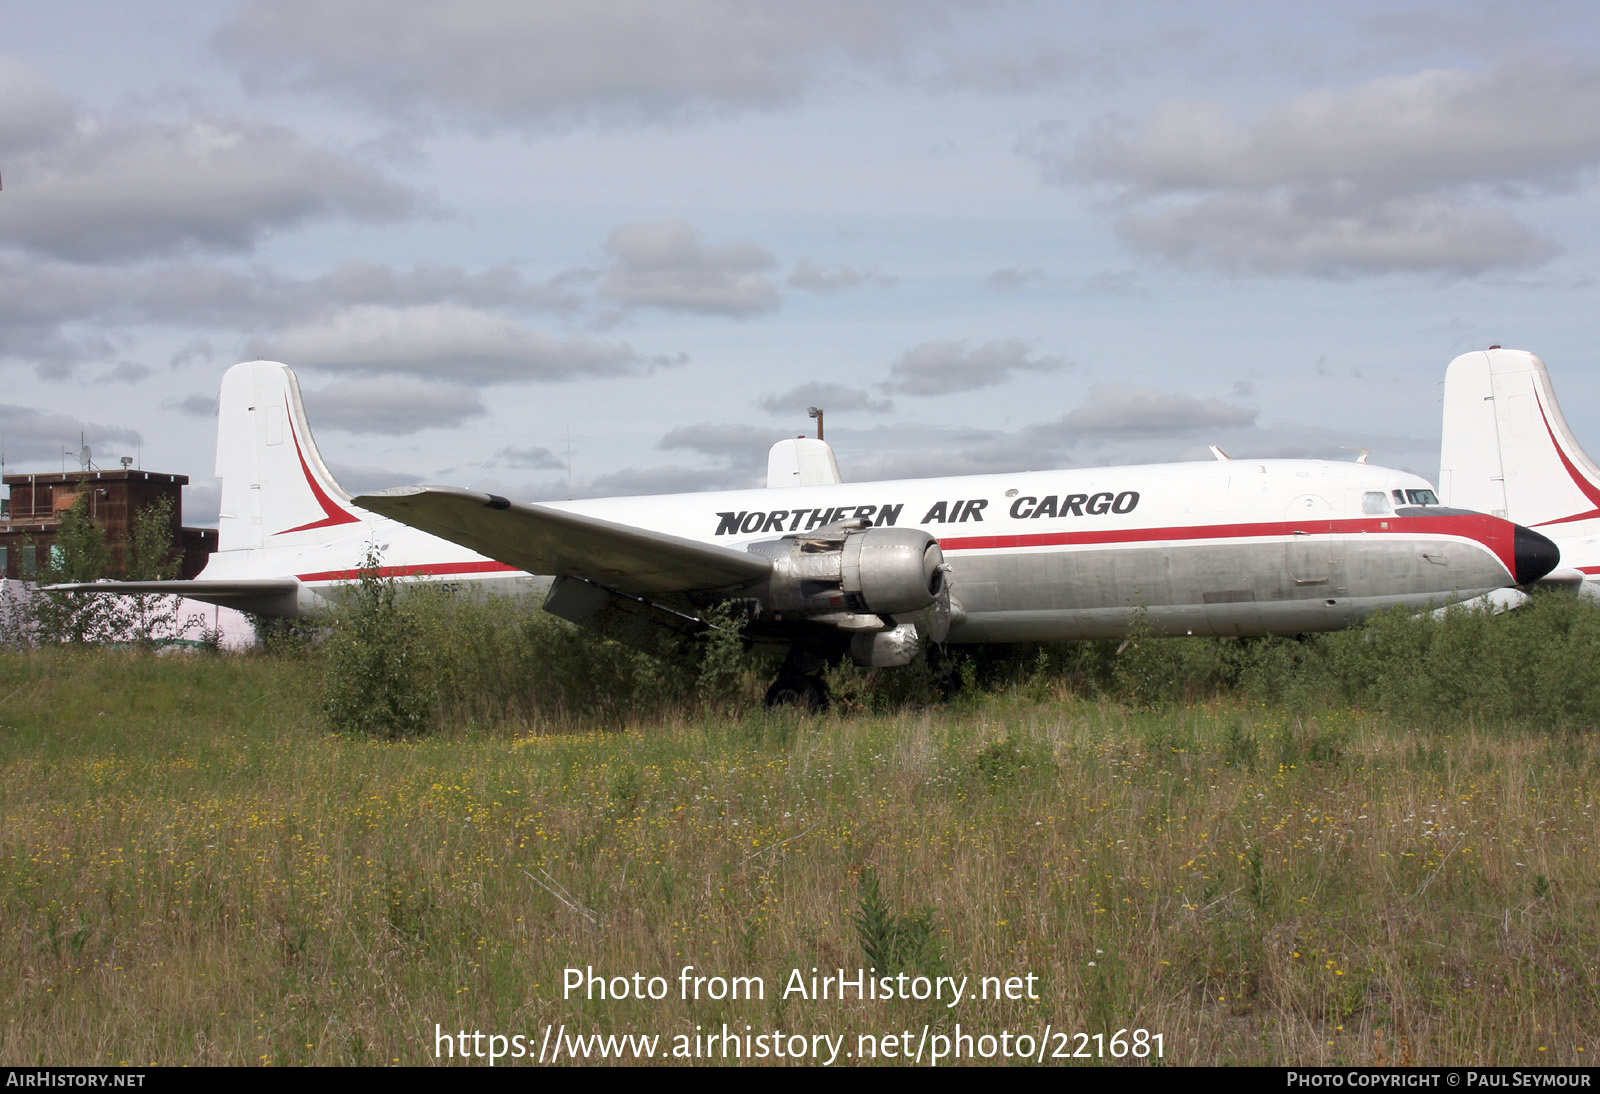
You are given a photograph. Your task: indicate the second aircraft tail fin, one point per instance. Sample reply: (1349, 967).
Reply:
(1507, 450)
(276, 491)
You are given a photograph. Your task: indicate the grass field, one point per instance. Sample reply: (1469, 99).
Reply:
(195, 870)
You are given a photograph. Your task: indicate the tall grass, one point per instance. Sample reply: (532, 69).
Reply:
(194, 869)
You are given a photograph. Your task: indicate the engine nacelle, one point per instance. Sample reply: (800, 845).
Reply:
(849, 568)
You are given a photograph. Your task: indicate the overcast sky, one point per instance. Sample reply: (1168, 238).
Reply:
(985, 236)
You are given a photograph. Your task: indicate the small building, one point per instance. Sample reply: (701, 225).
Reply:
(30, 519)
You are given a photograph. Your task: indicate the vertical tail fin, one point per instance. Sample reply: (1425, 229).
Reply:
(1507, 449)
(276, 491)
(802, 462)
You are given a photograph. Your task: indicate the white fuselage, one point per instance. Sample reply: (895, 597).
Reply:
(1234, 547)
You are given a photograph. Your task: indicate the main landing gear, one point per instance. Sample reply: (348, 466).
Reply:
(799, 683)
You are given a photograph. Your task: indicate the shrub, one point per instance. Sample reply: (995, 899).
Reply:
(376, 683)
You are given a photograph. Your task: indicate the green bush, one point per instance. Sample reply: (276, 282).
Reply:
(376, 681)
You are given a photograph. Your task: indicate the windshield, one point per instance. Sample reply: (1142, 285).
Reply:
(1415, 497)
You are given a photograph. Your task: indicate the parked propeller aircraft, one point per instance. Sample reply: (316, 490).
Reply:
(872, 570)
(1507, 450)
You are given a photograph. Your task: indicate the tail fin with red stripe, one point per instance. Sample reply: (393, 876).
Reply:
(276, 491)
(1507, 449)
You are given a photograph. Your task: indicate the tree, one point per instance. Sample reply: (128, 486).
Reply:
(80, 553)
(150, 556)
(375, 682)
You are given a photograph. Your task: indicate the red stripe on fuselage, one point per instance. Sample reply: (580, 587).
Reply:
(335, 515)
(1498, 535)
(421, 569)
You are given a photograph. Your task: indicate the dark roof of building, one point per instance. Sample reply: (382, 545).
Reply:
(70, 477)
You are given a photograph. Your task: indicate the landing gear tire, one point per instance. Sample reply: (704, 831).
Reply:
(804, 693)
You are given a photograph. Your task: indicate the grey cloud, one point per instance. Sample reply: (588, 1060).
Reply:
(196, 350)
(531, 459)
(491, 64)
(1275, 234)
(126, 372)
(1120, 410)
(1399, 134)
(1113, 426)
(1013, 278)
(496, 286)
(918, 450)
(357, 478)
(202, 503)
(1110, 283)
(666, 479)
(41, 435)
(746, 445)
(830, 397)
(32, 112)
(465, 344)
(392, 405)
(663, 264)
(815, 277)
(195, 406)
(96, 188)
(941, 368)
(58, 315)
(1401, 173)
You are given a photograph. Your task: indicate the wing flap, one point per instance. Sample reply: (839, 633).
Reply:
(543, 540)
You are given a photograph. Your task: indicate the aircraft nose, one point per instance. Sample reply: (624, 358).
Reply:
(1535, 555)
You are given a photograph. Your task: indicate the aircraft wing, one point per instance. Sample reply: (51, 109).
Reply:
(542, 540)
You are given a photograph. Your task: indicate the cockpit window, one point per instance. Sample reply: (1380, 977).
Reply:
(1374, 503)
(1399, 496)
(1422, 497)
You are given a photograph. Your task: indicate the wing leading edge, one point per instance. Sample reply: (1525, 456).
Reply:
(542, 540)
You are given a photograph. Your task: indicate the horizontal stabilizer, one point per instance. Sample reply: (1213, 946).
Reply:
(1563, 577)
(267, 596)
(544, 540)
(1500, 600)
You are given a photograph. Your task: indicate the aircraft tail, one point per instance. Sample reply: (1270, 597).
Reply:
(1507, 449)
(276, 491)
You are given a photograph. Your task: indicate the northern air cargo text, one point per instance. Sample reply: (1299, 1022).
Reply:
(957, 511)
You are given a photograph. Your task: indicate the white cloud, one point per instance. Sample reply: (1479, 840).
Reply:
(941, 368)
(663, 264)
(450, 342)
(1406, 172)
